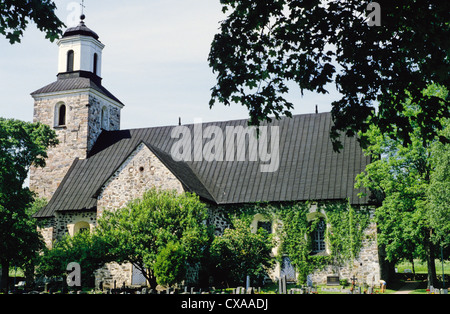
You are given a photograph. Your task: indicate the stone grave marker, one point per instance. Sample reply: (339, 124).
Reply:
(333, 281)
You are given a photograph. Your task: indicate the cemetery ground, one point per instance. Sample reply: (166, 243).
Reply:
(405, 283)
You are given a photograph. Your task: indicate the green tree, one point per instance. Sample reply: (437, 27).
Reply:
(158, 233)
(400, 176)
(16, 14)
(83, 248)
(439, 190)
(239, 253)
(170, 265)
(22, 145)
(266, 46)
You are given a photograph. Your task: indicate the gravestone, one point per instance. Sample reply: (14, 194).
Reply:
(309, 281)
(333, 281)
(282, 285)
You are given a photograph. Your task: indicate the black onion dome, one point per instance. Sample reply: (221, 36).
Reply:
(81, 29)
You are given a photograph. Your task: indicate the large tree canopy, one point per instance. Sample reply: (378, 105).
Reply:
(409, 182)
(22, 145)
(159, 234)
(264, 45)
(16, 14)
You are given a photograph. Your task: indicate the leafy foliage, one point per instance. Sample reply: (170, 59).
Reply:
(347, 227)
(239, 253)
(401, 175)
(161, 225)
(265, 45)
(344, 235)
(16, 14)
(170, 265)
(22, 145)
(83, 248)
(439, 190)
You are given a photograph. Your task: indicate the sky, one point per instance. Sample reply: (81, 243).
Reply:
(155, 62)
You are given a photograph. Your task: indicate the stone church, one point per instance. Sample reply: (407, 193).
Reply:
(98, 167)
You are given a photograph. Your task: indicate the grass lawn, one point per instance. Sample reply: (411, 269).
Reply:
(421, 267)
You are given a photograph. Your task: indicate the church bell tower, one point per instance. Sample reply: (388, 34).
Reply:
(77, 106)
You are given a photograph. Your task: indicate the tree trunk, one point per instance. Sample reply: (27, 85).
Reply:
(413, 269)
(432, 278)
(151, 279)
(431, 263)
(153, 283)
(5, 276)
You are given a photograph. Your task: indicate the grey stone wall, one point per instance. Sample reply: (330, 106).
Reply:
(72, 138)
(95, 128)
(217, 217)
(77, 137)
(138, 174)
(46, 229)
(65, 222)
(366, 267)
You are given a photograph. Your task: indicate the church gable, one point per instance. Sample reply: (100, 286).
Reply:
(141, 171)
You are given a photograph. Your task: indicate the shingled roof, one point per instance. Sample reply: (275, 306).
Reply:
(75, 81)
(309, 169)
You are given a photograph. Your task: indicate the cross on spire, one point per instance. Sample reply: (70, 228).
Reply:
(82, 17)
(82, 7)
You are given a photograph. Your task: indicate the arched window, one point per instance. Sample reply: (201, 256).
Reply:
(266, 225)
(61, 112)
(70, 58)
(261, 222)
(318, 237)
(95, 63)
(81, 227)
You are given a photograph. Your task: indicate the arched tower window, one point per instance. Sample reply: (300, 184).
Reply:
(95, 63)
(61, 115)
(70, 59)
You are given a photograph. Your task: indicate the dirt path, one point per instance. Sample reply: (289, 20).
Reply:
(408, 287)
